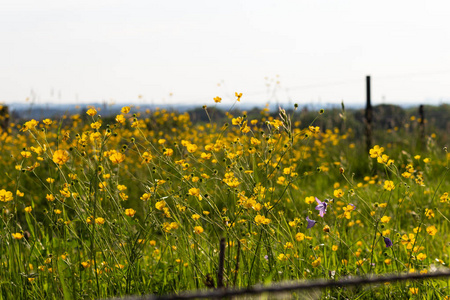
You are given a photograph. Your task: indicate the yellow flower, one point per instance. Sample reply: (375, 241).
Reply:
(195, 192)
(338, 193)
(316, 262)
(191, 148)
(383, 159)
(145, 197)
(348, 211)
(28, 209)
(426, 160)
(217, 99)
(5, 195)
(429, 213)
(117, 157)
(25, 154)
(414, 291)
(281, 180)
(282, 257)
(205, 155)
(389, 185)
(408, 240)
(299, 236)
(96, 125)
(310, 200)
(125, 109)
(50, 197)
(60, 157)
(160, 205)
(17, 235)
(262, 220)
(195, 217)
(255, 141)
(421, 256)
(198, 229)
(334, 248)
(431, 230)
(168, 152)
(120, 119)
(91, 112)
(376, 151)
(406, 174)
(288, 245)
(100, 221)
(29, 125)
(385, 219)
(121, 187)
(57, 211)
(130, 212)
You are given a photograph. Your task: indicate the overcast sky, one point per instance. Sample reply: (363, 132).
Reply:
(192, 51)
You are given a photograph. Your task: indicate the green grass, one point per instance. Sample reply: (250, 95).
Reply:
(249, 181)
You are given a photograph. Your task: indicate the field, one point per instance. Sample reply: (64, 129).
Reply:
(97, 207)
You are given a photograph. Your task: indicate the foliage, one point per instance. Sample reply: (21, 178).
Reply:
(137, 204)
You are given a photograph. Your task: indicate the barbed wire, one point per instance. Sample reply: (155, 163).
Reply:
(292, 286)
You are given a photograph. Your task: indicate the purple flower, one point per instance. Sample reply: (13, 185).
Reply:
(322, 207)
(388, 242)
(311, 223)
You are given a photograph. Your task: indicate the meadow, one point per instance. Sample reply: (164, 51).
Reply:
(97, 207)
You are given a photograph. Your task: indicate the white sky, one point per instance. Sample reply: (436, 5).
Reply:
(321, 50)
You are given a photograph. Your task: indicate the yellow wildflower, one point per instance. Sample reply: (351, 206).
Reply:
(5, 195)
(117, 157)
(60, 157)
(431, 230)
(17, 235)
(385, 219)
(130, 212)
(389, 185)
(91, 112)
(198, 229)
(316, 262)
(29, 125)
(100, 221)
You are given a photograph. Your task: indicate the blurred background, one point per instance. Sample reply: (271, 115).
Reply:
(188, 52)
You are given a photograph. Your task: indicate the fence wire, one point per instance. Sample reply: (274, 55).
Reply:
(292, 286)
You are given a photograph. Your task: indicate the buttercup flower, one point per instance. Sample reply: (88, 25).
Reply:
(17, 235)
(5, 195)
(60, 157)
(130, 212)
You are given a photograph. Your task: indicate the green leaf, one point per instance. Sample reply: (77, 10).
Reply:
(62, 279)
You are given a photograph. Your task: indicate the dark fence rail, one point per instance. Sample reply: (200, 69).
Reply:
(294, 286)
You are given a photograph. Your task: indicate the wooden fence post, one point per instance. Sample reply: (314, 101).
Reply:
(221, 264)
(368, 116)
(422, 127)
(4, 117)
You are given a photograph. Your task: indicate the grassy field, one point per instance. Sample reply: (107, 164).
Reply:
(98, 207)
